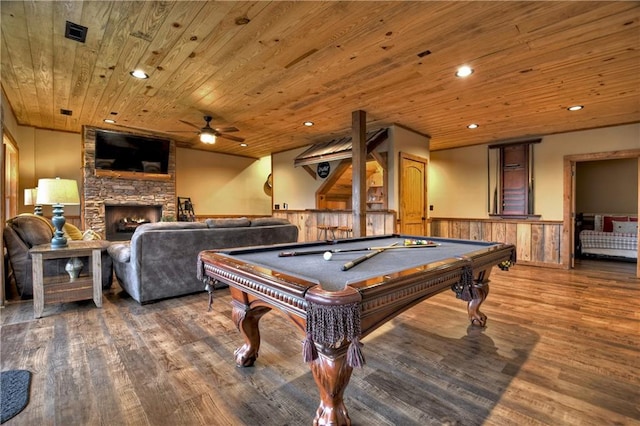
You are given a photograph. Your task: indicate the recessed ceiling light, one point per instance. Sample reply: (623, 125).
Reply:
(308, 123)
(108, 120)
(473, 126)
(464, 71)
(139, 74)
(243, 144)
(575, 107)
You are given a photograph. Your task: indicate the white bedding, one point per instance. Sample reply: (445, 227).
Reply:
(610, 243)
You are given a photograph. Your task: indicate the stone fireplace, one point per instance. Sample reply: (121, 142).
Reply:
(140, 195)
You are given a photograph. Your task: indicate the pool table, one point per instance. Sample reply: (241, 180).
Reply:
(335, 304)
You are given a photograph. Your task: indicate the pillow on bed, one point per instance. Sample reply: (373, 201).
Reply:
(607, 222)
(625, 227)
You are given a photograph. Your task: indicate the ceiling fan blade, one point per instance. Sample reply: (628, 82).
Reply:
(182, 131)
(233, 138)
(226, 129)
(190, 124)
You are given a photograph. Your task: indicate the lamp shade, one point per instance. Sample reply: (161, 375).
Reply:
(57, 191)
(207, 137)
(30, 195)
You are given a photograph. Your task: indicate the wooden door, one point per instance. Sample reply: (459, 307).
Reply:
(413, 194)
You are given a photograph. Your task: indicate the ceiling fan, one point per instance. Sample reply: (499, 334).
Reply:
(208, 134)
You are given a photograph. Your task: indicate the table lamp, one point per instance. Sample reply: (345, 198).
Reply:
(57, 192)
(30, 196)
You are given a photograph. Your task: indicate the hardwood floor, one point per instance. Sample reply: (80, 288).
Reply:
(560, 348)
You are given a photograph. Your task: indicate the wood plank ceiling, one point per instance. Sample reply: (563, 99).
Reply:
(267, 67)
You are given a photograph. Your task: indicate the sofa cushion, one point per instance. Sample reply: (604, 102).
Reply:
(269, 221)
(120, 252)
(233, 222)
(33, 230)
(163, 226)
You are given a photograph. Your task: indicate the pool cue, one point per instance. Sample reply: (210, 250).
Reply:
(361, 259)
(303, 253)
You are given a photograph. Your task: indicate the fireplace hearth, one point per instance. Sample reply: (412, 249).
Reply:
(121, 221)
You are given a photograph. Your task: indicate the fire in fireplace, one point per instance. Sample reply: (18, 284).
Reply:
(121, 221)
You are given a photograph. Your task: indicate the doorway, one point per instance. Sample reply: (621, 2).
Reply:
(569, 206)
(412, 187)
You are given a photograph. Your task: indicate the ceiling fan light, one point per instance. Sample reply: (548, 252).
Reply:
(208, 138)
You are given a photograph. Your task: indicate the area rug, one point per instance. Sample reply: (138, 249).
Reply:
(14, 392)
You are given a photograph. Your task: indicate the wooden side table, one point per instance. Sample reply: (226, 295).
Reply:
(61, 288)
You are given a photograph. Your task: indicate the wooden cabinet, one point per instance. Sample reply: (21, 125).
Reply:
(515, 180)
(512, 187)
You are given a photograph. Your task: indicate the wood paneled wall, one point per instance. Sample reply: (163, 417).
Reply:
(378, 223)
(537, 242)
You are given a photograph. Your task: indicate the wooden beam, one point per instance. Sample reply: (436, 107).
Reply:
(380, 160)
(311, 172)
(359, 170)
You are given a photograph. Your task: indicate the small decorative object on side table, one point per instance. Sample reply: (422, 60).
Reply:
(66, 288)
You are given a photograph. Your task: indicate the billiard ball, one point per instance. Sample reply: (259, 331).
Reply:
(327, 255)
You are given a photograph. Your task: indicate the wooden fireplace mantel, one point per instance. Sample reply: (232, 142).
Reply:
(132, 175)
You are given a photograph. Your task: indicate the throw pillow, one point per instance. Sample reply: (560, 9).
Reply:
(269, 221)
(90, 234)
(607, 222)
(71, 232)
(234, 222)
(625, 227)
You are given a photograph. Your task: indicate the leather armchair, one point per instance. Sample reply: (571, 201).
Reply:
(27, 230)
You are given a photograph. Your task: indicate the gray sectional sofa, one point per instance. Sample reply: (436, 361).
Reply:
(160, 260)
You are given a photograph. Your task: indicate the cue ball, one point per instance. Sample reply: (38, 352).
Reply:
(327, 255)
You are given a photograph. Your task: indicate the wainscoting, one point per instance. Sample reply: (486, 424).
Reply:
(378, 222)
(537, 242)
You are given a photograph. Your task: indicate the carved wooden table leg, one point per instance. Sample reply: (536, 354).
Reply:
(473, 307)
(246, 319)
(332, 377)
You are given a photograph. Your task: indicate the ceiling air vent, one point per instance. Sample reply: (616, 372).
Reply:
(66, 112)
(75, 32)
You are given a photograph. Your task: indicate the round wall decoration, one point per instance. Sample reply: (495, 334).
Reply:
(323, 169)
(268, 185)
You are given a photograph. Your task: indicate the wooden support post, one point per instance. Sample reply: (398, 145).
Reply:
(359, 168)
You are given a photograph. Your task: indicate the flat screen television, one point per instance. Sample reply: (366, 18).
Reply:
(134, 153)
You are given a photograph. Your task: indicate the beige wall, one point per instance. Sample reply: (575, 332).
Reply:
(408, 142)
(217, 184)
(458, 177)
(294, 186)
(221, 184)
(48, 154)
(607, 186)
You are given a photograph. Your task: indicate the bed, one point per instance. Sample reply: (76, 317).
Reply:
(611, 235)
